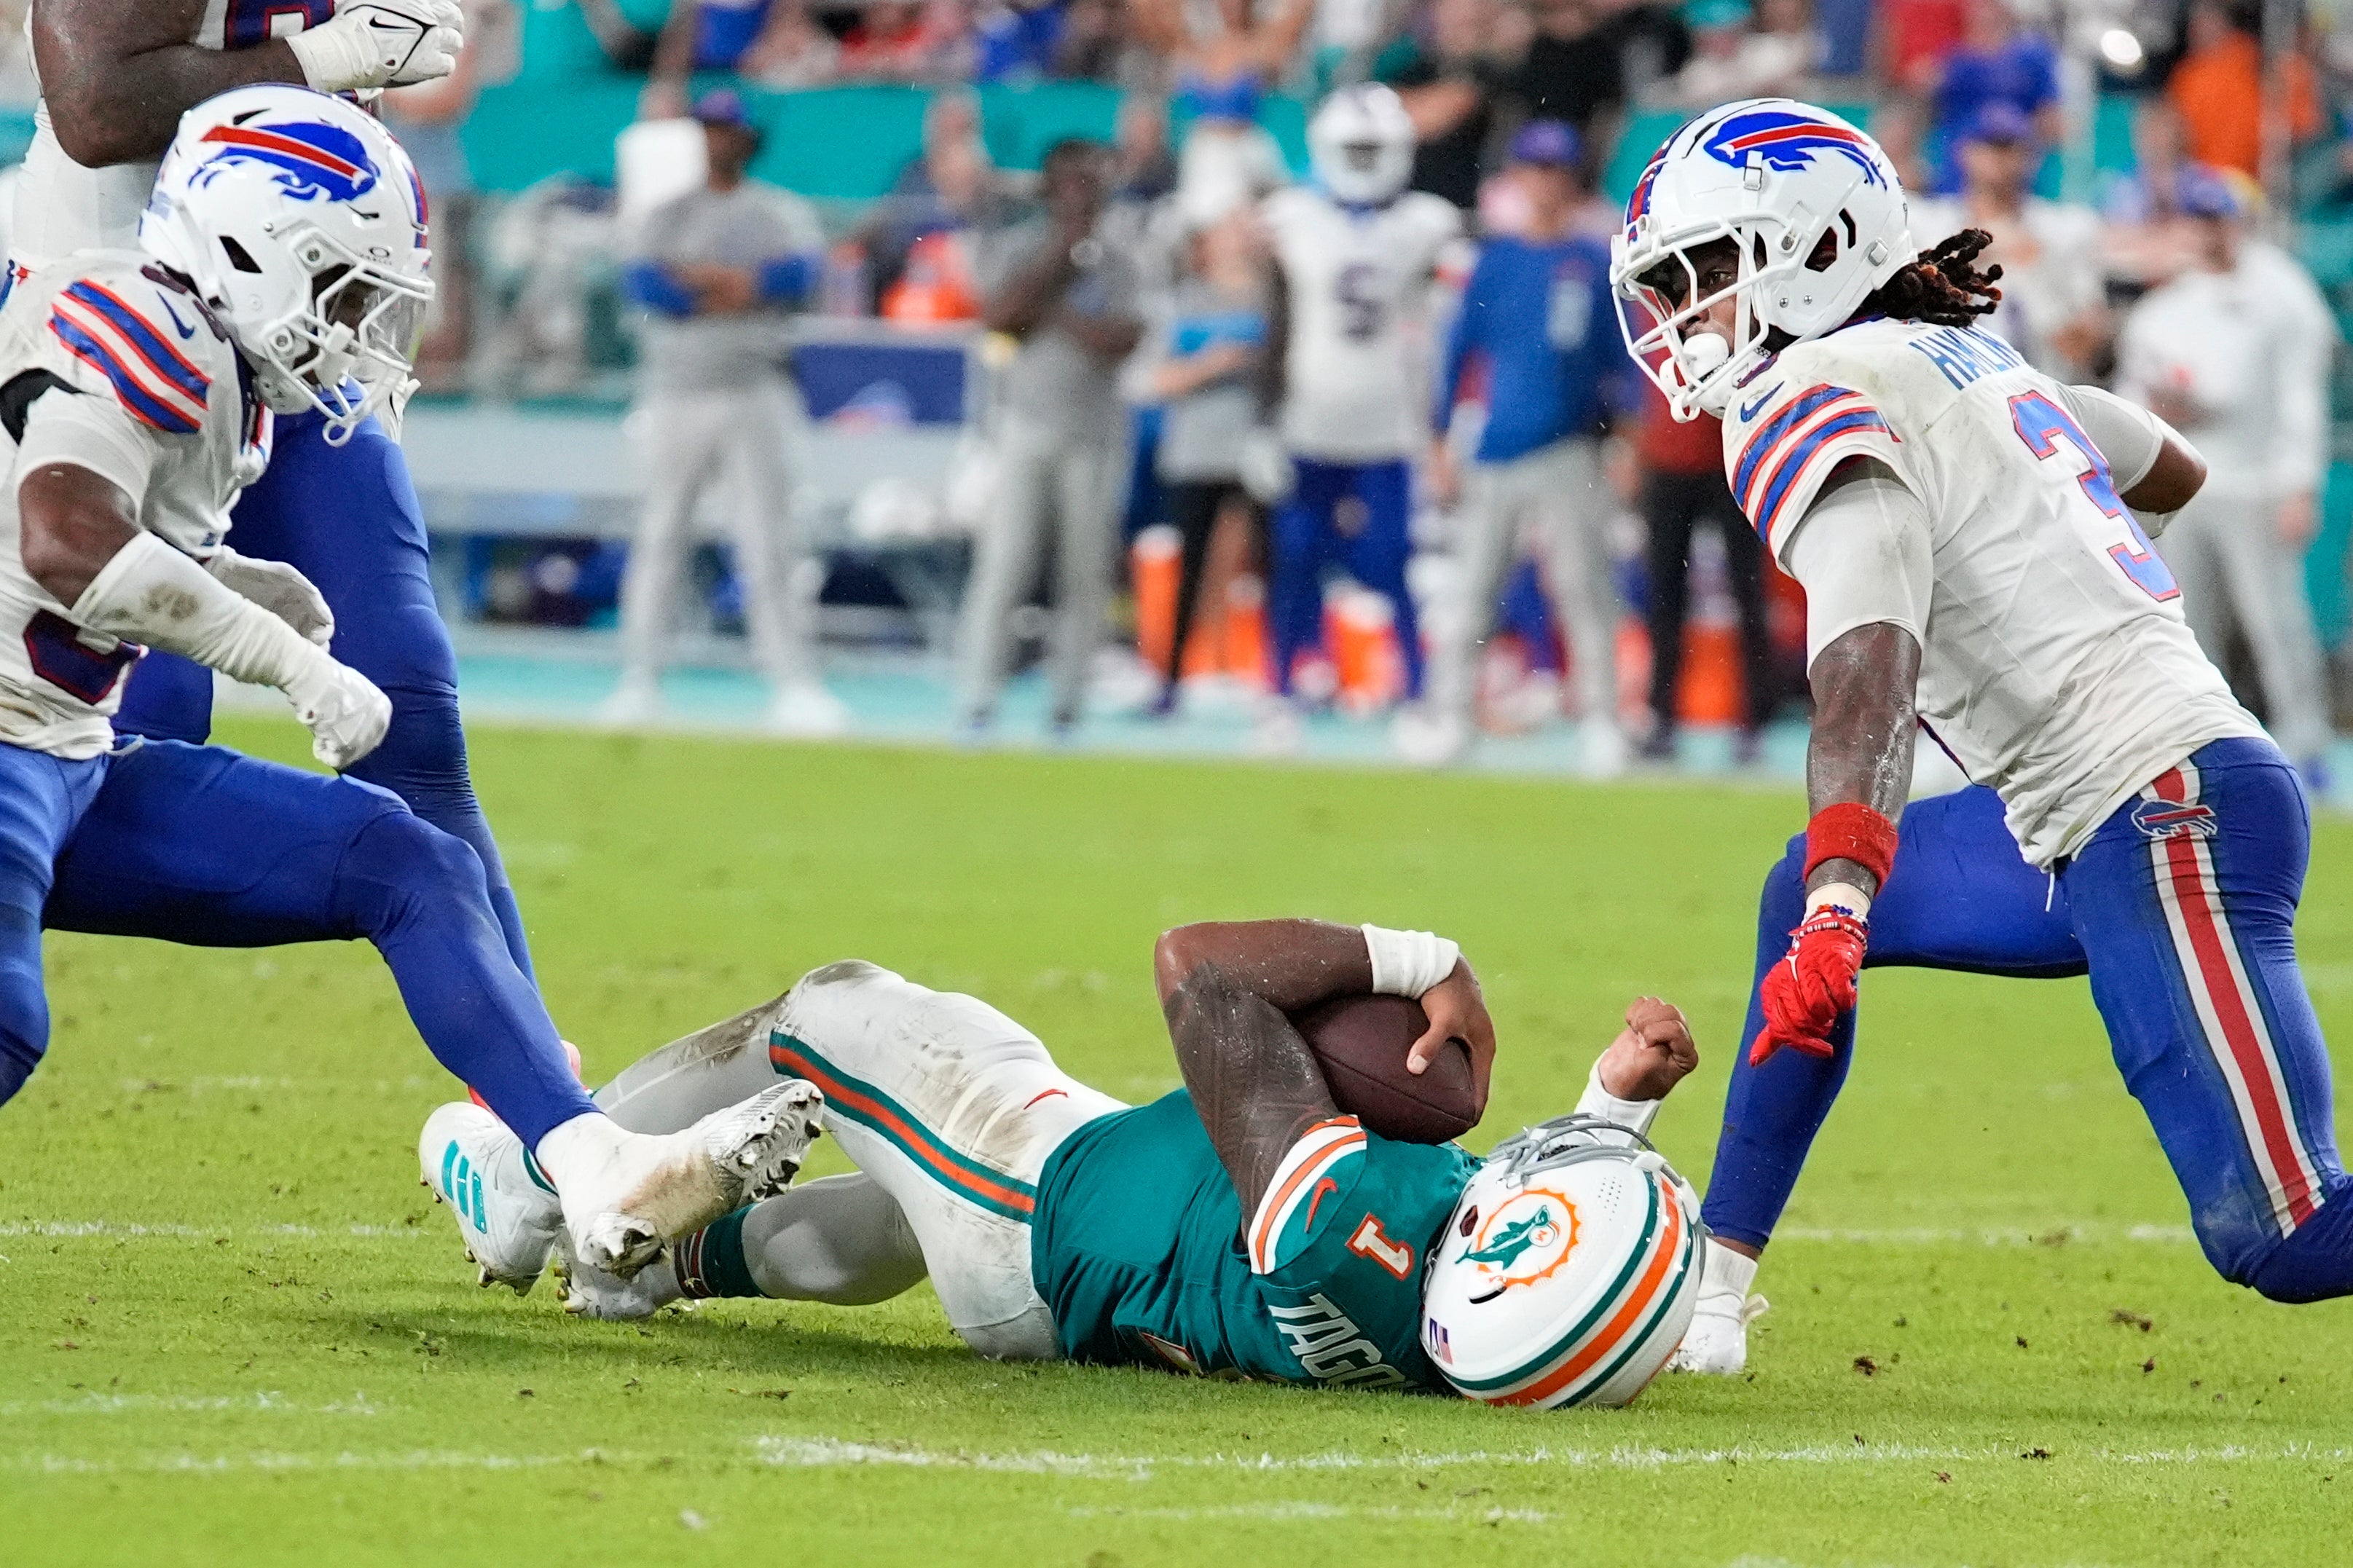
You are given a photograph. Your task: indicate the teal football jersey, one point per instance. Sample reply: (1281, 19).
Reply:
(1138, 1247)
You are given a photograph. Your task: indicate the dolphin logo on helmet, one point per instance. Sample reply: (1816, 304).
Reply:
(315, 161)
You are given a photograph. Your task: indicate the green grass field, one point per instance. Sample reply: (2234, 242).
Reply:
(236, 1332)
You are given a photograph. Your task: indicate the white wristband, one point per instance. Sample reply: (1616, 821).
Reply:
(1408, 962)
(1597, 1100)
(150, 593)
(1843, 896)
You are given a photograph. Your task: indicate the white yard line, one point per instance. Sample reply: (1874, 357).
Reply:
(165, 1231)
(141, 1403)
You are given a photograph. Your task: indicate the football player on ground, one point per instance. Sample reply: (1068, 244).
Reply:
(1973, 538)
(281, 255)
(1354, 253)
(1239, 1227)
(336, 504)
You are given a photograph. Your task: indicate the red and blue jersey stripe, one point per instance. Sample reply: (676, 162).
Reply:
(1819, 421)
(159, 385)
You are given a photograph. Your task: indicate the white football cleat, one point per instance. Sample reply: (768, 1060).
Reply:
(653, 1189)
(1716, 1343)
(591, 1292)
(507, 1212)
(806, 709)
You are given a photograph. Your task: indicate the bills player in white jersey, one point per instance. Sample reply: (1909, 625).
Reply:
(1356, 251)
(1973, 538)
(336, 503)
(280, 260)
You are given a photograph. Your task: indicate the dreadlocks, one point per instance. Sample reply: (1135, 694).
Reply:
(1944, 287)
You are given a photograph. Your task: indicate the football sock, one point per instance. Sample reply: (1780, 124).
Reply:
(712, 1262)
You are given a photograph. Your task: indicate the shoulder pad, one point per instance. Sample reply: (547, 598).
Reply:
(150, 341)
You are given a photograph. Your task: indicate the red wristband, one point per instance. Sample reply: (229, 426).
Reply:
(1852, 831)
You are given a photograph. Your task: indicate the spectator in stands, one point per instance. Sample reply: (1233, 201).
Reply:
(1574, 71)
(1094, 46)
(426, 118)
(2236, 352)
(1061, 434)
(2053, 305)
(1449, 82)
(1900, 126)
(2220, 86)
(1206, 380)
(792, 50)
(1998, 62)
(890, 42)
(1915, 39)
(1684, 490)
(2144, 241)
(1844, 28)
(698, 36)
(1537, 312)
(951, 188)
(1221, 71)
(1734, 58)
(719, 272)
(1020, 39)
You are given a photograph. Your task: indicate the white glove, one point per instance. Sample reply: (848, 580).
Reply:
(277, 588)
(381, 43)
(344, 713)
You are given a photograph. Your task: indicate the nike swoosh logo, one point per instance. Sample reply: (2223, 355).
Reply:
(186, 330)
(1749, 410)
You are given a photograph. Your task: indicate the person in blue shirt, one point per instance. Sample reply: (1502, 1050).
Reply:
(1999, 61)
(1536, 316)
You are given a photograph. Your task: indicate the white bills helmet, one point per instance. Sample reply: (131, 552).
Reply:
(301, 225)
(1568, 1271)
(1817, 217)
(1361, 144)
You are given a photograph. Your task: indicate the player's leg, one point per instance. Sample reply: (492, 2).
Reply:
(1669, 505)
(1379, 554)
(2185, 902)
(682, 441)
(1576, 527)
(1487, 530)
(202, 846)
(1959, 897)
(771, 546)
(1004, 564)
(2265, 578)
(1300, 544)
(41, 798)
(2191, 548)
(1193, 509)
(347, 517)
(1089, 482)
(1743, 557)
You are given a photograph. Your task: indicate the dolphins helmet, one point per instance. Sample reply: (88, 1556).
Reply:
(1814, 209)
(301, 224)
(1568, 1271)
(1361, 144)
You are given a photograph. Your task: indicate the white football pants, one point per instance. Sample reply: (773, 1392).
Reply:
(1045, 481)
(749, 439)
(2234, 570)
(949, 1109)
(1556, 494)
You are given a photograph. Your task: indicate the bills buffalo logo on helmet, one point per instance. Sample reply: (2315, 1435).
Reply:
(314, 161)
(1521, 1240)
(1788, 143)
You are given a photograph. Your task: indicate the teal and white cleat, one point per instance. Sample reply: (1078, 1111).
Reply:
(507, 1211)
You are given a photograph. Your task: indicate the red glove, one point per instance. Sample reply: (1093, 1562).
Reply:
(1814, 982)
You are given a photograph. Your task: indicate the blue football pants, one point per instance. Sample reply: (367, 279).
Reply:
(1308, 541)
(2182, 908)
(203, 846)
(347, 517)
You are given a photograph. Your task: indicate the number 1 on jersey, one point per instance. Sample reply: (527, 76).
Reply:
(2042, 425)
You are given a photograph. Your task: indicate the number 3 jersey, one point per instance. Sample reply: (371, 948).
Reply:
(1139, 1248)
(2055, 665)
(1356, 381)
(109, 364)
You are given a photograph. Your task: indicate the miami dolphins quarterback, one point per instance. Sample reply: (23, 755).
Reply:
(1242, 1227)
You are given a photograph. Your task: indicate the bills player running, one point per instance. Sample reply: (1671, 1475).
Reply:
(1354, 251)
(336, 502)
(1239, 1227)
(281, 255)
(1973, 538)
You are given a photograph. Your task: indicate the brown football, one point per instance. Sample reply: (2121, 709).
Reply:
(1361, 1041)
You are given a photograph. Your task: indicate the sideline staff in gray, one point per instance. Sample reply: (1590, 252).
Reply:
(719, 271)
(1061, 432)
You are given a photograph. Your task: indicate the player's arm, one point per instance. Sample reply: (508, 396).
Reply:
(118, 74)
(2155, 470)
(1861, 552)
(1226, 989)
(85, 466)
(1274, 365)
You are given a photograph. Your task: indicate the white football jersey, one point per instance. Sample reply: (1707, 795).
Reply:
(62, 207)
(1356, 381)
(162, 382)
(2055, 665)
